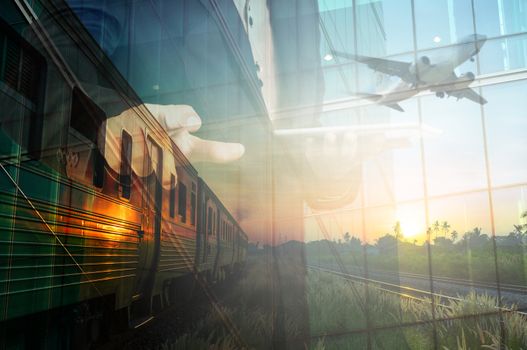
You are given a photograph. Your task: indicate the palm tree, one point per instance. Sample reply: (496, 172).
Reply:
(347, 237)
(397, 230)
(436, 226)
(518, 229)
(454, 235)
(445, 227)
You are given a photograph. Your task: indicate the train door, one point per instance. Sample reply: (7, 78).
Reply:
(150, 242)
(155, 191)
(200, 228)
(208, 222)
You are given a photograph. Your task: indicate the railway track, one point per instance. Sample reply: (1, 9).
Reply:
(504, 287)
(408, 292)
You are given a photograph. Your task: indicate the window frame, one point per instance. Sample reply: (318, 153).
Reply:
(126, 136)
(172, 197)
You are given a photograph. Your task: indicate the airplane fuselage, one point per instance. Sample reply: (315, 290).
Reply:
(436, 73)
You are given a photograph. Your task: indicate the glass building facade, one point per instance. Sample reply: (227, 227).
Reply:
(300, 122)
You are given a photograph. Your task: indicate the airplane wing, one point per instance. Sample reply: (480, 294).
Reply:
(390, 67)
(468, 93)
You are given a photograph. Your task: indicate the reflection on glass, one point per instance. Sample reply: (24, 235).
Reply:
(368, 138)
(497, 17)
(442, 22)
(505, 118)
(504, 54)
(454, 160)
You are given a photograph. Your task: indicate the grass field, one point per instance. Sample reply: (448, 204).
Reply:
(277, 303)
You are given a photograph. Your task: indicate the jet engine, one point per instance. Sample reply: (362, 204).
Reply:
(469, 76)
(425, 60)
(421, 65)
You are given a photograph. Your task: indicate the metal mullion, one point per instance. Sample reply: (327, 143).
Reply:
(489, 193)
(425, 184)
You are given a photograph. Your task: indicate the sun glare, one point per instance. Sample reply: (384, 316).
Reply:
(410, 228)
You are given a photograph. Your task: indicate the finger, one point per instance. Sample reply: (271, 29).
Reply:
(176, 117)
(215, 151)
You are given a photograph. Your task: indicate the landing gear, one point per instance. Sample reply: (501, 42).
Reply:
(440, 94)
(472, 59)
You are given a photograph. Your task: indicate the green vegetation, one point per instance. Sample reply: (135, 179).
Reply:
(280, 304)
(471, 257)
(334, 308)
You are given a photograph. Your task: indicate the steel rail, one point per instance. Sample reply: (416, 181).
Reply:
(386, 288)
(512, 288)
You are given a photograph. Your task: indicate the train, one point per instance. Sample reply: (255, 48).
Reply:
(103, 220)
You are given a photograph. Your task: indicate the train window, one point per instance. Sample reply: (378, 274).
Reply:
(193, 205)
(86, 142)
(172, 199)
(20, 65)
(182, 202)
(213, 222)
(22, 75)
(209, 221)
(125, 174)
(216, 223)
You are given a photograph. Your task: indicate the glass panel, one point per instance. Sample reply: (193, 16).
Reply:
(504, 54)
(454, 159)
(442, 22)
(510, 208)
(384, 27)
(498, 17)
(505, 117)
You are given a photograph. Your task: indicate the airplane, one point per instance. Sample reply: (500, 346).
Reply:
(426, 74)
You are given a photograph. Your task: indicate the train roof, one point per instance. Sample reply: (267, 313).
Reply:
(206, 187)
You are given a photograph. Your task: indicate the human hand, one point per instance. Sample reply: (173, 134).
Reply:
(180, 121)
(335, 162)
